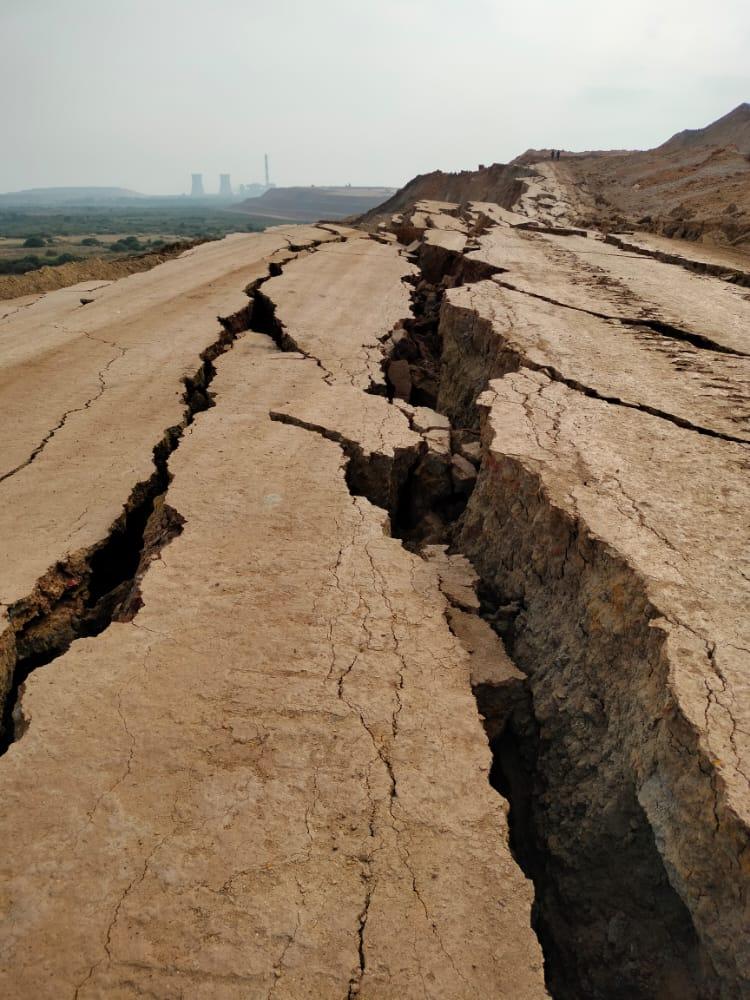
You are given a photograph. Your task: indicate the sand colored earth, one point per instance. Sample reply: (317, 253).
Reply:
(373, 614)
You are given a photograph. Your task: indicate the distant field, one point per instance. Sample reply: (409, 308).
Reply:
(57, 235)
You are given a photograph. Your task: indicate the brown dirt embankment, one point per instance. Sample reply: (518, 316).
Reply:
(47, 279)
(695, 186)
(501, 183)
(697, 194)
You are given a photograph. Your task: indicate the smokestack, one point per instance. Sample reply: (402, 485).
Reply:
(225, 188)
(268, 182)
(197, 189)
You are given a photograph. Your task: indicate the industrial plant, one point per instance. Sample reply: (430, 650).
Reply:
(253, 190)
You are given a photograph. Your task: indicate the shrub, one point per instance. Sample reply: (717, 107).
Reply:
(21, 265)
(130, 244)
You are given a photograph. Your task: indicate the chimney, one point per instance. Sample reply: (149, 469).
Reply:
(268, 181)
(197, 189)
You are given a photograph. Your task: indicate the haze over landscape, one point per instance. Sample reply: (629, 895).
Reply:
(141, 94)
(374, 538)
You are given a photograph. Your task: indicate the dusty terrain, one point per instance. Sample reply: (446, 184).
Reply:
(498, 183)
(374, 614)
(695, 186)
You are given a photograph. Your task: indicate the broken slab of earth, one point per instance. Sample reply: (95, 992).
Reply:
(415, 531)
(608, 532)
(265, 774)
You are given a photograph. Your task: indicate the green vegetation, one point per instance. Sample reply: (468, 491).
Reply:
(79, 232)
(129, 244)
(175, 217)
(21, 265)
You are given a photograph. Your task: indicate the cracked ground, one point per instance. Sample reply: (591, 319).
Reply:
(248, 757)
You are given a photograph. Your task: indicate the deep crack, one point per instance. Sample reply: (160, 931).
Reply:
(81, 595)
(601, 891)
(658, 326)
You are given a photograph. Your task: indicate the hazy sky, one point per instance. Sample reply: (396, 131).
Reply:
(140, 93)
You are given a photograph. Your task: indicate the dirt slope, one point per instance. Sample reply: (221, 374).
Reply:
(498, 183)
(731, 130)
(695, 186)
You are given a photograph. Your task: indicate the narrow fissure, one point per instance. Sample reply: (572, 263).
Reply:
(355, 982)
(733, 276)
(378, 478)
(658, 326)
(519, 361)
(37, 451)
(92, 588)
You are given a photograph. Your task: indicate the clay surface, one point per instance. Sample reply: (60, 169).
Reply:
(273, 779)
(595, 277)
(374, 614)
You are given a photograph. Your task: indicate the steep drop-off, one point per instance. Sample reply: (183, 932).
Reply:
(619, 596)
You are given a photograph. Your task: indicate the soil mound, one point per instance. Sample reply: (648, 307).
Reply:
(694, 186)
(731, 130)
(500, 183)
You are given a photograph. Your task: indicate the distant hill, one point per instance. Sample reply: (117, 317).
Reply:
(67, 196)
(731, 130)
(309, 204)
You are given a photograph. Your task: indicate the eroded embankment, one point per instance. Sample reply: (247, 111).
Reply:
(576, 753)
(611, 923)
(47, 279)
